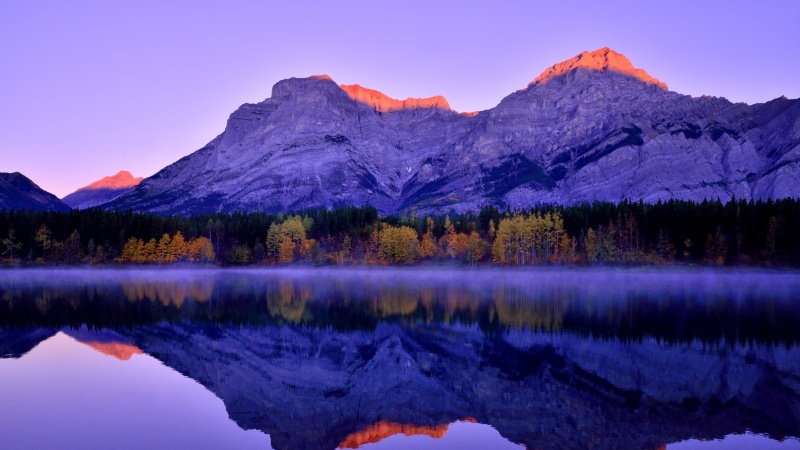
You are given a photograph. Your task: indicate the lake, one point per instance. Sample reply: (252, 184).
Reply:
(679, 358)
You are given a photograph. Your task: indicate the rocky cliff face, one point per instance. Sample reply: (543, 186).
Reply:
(102, 191)
(19, 192)
(590, 128)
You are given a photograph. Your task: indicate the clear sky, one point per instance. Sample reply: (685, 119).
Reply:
(88, 88)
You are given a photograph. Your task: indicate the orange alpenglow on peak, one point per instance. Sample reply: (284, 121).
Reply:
(120, 350)
(122, 180)
(603, 60)
(383, 430)
(384, 103)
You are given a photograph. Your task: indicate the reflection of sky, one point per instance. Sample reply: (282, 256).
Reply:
(64, 394)
(737, 442)
(460, 435)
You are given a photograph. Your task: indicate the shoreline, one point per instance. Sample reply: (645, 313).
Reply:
(430, 268)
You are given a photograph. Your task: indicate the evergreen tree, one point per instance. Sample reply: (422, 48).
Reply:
(72, 248)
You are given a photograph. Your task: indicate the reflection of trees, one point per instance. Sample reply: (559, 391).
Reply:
(360, 304)
(175, 292)
(540, 311)
(397, 301)
(461, 304)
(288, 301)
(43, 303)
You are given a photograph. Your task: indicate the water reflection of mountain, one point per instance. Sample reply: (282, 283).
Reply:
(547, 363)
(16, 342)
(106, 342)
(312, 388)
(382, 430)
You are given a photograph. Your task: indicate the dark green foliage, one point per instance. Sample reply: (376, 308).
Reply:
(737, 232)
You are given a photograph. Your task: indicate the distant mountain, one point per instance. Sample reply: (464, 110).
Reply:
(18, 192)
(590, 128)
(102, 191)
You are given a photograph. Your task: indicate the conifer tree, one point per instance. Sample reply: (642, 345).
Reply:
(72, 248)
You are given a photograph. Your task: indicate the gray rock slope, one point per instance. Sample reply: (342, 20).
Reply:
(590, 128)
(20, 193)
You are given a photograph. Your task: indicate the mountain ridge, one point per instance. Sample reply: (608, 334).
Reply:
(593, 128)
(19, 192)
(383, 103)
(102, 191)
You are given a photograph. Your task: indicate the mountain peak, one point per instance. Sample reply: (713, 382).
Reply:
(102, 190)
(602, 60)
(383, 103)
(322, 77)
(121, 180)
(19, 181)
(19, 192)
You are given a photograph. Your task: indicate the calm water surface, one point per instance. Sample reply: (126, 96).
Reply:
(398, 359)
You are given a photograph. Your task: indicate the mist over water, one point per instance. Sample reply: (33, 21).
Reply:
(672, 304)
(395, 358)
(599, 282)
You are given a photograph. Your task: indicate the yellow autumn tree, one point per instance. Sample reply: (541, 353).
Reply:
(178, 247)
(167, 250)
(201, 250)
(289, 235)
(163, 250)
(397, 245)
(475, 248)
(130, 251)
(527, 239)
(427, 248)
(286, 250)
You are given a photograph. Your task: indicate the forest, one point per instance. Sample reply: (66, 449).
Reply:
(762, 233)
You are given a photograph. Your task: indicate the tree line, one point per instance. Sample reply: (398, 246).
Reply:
(734, 233)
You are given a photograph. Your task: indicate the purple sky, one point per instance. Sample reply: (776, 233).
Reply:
(88, 88)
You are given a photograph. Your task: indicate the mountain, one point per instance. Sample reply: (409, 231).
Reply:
(590, 128)
(19, 192)
(102, 191)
